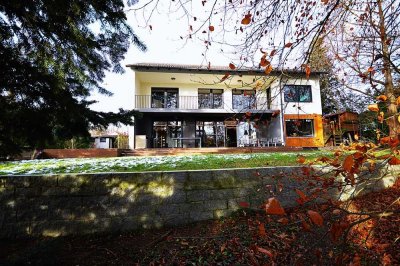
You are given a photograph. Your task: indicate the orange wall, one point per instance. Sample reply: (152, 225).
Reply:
(316, 141)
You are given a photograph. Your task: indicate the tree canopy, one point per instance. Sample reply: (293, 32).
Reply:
(54, 54)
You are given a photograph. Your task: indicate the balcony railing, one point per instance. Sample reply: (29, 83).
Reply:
(194, 103)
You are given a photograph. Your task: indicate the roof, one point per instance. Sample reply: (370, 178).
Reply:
(156, 67)
(340, 113)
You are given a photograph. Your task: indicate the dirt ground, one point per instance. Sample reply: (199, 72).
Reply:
(247, 238)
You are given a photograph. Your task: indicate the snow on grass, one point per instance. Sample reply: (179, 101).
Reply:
(148, 163)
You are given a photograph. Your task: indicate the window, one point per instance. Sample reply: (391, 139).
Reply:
(212, 134)
(297, 93)
(243, 99)
(210, 98)
(164, 98)
(103, 139)
(299, 128)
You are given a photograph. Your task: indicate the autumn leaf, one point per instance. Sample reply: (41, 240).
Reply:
(274, 207)
(382, 98)
(283, 220)
(247, 19)
(301, 159)
(264, 62)
(232, 66)
(325, 2)
(288, 45)
(225, 77)
(273, 52)
(315, 217)
(394, 161)
(348, 163)
(370, 69)
(373, 108)
(261, 230)
(211, 28)
(398, 100)
(305, 226)
(244, 204)
(356, 136)
(384, 140)
(308, 71)
(301, 194)
(248, 114)
(268, 69)
(265, 251)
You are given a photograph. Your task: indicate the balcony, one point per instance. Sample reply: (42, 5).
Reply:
(238, 104)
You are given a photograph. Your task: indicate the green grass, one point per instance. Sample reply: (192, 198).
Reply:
(156, 163)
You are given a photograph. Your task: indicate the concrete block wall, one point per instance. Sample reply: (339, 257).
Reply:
(58, 205)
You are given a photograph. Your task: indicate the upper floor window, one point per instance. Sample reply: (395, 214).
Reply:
(210, 98)
(164, 98)
(243, 99)
(297, 93)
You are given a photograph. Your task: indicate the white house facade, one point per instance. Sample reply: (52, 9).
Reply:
(184, 106)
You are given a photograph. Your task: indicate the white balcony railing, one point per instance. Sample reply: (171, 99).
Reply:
(195, 102)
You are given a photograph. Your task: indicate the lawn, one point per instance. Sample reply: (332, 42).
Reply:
(156, 163)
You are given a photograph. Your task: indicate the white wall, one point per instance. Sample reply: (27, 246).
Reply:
(102, 145)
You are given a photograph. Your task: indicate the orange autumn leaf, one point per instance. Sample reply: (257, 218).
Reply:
(301, 159)
(268, 69)
(394, 161)
(384, 140)
(382, 98)
(308, 71)
(232, 66)
(211, 28)
(348, 163)
(370, 69)
(398, 100)
(274, 207)
(301, 194)
(247, 19)
(325, 2)
(373, 108)
(315, 217)
(273, 52)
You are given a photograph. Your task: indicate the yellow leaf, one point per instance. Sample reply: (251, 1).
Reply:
(373, 107)
(268, 69)
(382, 98)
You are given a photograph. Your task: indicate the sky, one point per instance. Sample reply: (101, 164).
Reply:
(164, 45)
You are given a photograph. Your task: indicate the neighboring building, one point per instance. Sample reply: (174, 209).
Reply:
(343, 127)
(104, 141)
(187, 106)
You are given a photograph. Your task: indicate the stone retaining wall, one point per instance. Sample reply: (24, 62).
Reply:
(57, 205)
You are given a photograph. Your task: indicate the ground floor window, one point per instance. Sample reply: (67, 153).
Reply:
(212, 133)
(299, 128)
(165, 133)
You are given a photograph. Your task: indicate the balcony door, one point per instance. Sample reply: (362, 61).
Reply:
(210, 98)
(164, 98)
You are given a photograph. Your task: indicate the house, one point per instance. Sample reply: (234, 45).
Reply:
(342, 127)
(189, 106)
(104, 141)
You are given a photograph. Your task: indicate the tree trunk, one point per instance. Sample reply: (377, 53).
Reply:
(392, 121)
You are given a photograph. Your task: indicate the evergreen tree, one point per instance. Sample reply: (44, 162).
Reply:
(53, 54)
